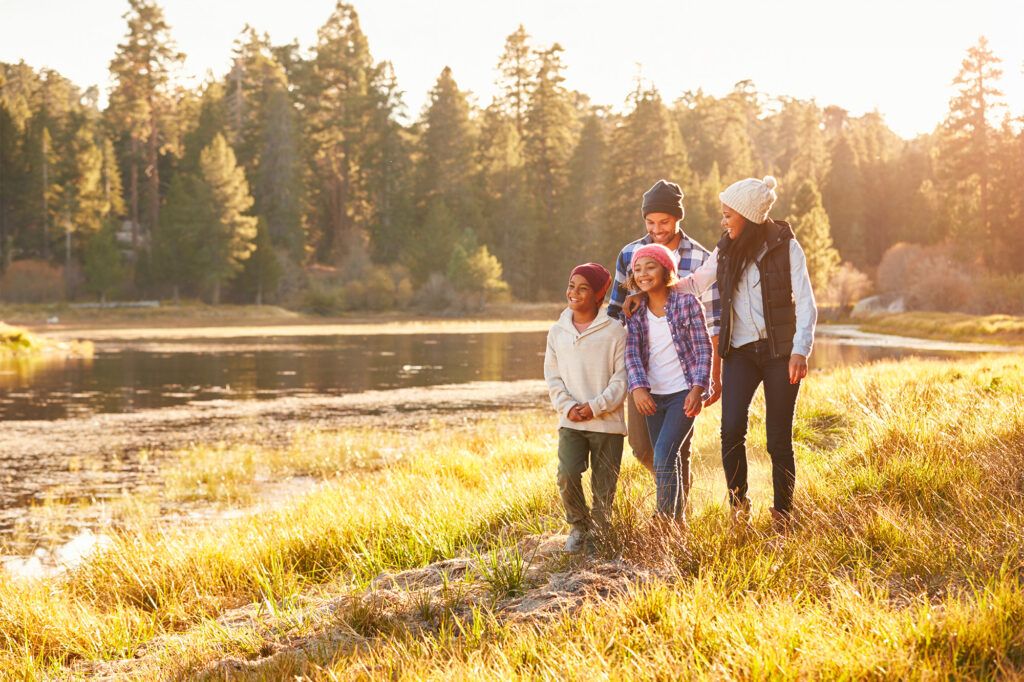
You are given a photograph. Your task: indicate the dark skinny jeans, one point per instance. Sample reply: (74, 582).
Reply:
(742, 370)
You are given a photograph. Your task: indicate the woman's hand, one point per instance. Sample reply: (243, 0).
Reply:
(693, 402)
(631, 303)
(584, 411)
(644, 402)
(797, 368)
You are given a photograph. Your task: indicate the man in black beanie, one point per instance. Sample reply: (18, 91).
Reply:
(662, 211)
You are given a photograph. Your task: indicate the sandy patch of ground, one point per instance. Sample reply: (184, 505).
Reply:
(413, 603)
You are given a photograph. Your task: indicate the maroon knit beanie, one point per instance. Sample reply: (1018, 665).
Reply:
(597, 277)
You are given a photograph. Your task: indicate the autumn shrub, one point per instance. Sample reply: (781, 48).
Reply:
(32, 281)
(998, 294)
(846, 286)
(935, 278)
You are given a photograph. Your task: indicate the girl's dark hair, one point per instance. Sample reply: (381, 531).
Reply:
(744, 249)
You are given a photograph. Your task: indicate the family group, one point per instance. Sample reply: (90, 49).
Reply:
(683, 328)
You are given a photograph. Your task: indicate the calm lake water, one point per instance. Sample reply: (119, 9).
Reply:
(124, 377)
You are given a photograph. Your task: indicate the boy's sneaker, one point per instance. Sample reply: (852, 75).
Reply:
(577, 539)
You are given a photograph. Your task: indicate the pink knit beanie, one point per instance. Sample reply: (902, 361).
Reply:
(659, 253)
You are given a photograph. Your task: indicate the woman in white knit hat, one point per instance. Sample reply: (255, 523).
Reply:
(767, 330)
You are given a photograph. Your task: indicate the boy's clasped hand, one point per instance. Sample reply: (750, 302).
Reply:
(580, 412)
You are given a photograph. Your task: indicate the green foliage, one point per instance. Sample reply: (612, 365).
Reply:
(646, 147)
(229, 239)
(541, 176)
(262, 269)
(104, 264)
(810, 222)
(473, 270)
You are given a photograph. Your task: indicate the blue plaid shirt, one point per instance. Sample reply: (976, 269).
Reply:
(691, 256)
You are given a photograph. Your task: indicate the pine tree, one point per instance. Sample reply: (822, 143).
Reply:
(646, 147)
(843, 198)
(389, 170)
(263, 129)
(516, 69)
(230, 238)
(445, 177)
(261, 271)
(140, 101)
(967, 132)
(338, 102)
(88, 201)
(550, 137)
(717, 131)
(8, 173)
(585, 205)
(104, 265)
(810, 222)
(178, 238)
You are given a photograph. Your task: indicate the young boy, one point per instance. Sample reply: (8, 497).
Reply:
(585, 369)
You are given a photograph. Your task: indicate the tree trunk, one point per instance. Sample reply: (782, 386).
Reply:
(46, 207)
(259, 293)
(177, 299)
(154, 176)
(134, 172)
(67, 253)
(216, 293)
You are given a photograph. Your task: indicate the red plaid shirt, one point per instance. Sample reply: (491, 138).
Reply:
(689, 336)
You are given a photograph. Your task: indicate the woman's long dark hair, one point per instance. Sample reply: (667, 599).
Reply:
(743, 249)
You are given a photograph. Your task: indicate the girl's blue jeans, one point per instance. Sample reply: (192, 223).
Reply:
(669, 427)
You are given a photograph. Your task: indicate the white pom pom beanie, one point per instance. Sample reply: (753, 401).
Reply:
(751, 198)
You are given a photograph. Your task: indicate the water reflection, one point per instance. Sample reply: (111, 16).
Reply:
(124, 378)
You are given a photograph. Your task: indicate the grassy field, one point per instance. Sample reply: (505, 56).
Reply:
(17, 344)
(427, 554)
(1002, 329)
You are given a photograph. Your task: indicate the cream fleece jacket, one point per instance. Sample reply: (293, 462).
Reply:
(588, 368)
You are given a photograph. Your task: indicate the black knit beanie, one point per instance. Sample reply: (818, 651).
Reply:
(664, 197)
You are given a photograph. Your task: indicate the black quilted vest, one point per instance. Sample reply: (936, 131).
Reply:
(776, 291)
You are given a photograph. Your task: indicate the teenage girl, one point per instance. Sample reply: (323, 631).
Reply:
(668, 364)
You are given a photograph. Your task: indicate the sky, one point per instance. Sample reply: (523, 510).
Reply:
(898, 57)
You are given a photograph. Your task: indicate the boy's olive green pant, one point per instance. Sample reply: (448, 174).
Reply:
(603, 453)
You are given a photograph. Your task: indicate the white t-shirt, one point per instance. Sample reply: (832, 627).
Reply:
(664, 371)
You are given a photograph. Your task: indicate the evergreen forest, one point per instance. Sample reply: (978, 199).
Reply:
(300, 177)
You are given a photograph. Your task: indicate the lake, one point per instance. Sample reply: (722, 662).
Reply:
(144, 374)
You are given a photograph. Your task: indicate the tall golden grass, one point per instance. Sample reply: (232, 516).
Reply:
(906, 560)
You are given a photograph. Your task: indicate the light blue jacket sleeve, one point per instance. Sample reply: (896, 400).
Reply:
(803, 297)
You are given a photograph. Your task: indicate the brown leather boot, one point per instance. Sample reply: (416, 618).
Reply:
(780, 522)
